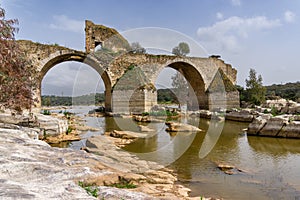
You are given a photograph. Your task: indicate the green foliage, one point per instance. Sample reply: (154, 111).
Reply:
(89, 99)
(274, 111)
(181, 50)
(166, 96)
(123, 183)
(256, 92)
(69, 130)
(145, 114)
(131, 67)
(90, 189)
(46, 112)
(290, 91)
(17, 76)
(180, 90)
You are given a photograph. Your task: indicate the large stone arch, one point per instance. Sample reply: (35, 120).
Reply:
(63, 56)
(198, 98)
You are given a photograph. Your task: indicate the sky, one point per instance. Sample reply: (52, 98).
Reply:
(263, 35)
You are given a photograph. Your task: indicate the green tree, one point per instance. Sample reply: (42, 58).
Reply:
(16, 73)
(137, 48)
(180, 88)
(181, 50)
(256, 92)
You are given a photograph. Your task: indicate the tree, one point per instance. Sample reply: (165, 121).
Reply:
(180, 88)
(256, 92)
(16, 74)
(137, 48)
(181, 50)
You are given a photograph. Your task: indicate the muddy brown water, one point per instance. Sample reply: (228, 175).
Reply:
(268, 168)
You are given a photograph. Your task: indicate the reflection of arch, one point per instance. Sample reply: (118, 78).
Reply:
(63, 56)
(195, 79)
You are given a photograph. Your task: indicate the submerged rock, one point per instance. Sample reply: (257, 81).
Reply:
(179, 127)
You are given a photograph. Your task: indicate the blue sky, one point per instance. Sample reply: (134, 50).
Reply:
(263, 35)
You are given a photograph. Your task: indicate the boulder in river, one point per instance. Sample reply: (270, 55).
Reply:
(240, 116)
(179, 127)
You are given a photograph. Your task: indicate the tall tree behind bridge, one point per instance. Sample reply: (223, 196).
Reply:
(16, 74)
(180, 88)
(181, 50)
(256, 92)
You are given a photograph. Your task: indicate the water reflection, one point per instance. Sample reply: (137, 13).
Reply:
(274, 146)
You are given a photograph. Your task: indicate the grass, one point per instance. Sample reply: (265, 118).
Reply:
(46, 112)
(90, 189)
(123, 183)
(69, 130)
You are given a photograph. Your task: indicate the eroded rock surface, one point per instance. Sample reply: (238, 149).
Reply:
(31, 169)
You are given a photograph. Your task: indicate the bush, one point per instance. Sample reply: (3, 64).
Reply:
(90, 189)
(46, 112)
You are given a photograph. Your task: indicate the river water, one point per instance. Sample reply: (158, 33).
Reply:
(269, 167)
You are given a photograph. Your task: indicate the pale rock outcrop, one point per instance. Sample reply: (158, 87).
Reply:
(179, 127)
(241, 116)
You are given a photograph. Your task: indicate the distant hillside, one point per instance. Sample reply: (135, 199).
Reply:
(289, 91)
(163, 96)
(89, 99)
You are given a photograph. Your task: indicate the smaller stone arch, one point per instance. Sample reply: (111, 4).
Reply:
(63, 56)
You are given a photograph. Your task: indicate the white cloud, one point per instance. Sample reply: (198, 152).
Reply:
(289, 16)
(63, 22)
(225, 34)
(219, 16)
(236, 2)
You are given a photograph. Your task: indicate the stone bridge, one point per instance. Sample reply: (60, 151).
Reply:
(129, 77)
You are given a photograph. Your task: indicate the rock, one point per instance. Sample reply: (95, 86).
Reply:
(273, 126)
(229, 169)
(240, 116)
(257, 124)
(179, 127)
(291, 130)
(205, 114)
(117, 194)
(145, 129)
(51, 125)
(127, 134)
(31, 169)
(140, 118)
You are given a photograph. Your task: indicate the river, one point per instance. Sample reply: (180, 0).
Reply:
(269, 167)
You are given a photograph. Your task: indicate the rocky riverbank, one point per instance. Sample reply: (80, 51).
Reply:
(31, 169)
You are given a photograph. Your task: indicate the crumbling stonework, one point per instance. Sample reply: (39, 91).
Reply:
(107, 37)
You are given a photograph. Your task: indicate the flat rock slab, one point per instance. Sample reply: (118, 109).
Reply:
(179, 127)
(127, 134)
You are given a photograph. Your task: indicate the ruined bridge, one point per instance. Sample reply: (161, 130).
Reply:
(129, 77)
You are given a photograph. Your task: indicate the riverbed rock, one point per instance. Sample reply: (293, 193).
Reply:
(290, 130)
(273, 126)
(140, 118)
(180, 127)
(127, 134)
(257, 124)
(240, 116)
(31, 169)
(153, 178)
(52, 126)
(145, 128)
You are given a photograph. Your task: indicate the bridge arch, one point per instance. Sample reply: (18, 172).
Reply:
(198, 98)
(63, 56)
